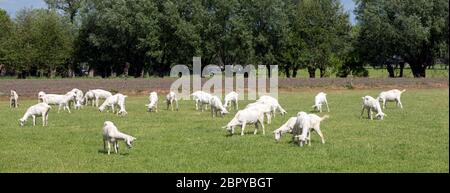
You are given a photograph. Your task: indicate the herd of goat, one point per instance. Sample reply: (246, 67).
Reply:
(255, 113)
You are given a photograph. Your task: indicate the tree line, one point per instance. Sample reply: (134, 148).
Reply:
(147, 37)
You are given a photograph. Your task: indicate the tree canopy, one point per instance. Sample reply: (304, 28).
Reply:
(147, 37)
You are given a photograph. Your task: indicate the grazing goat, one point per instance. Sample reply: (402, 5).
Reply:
(170, 99)
(115, 100)
(232, 97)
(320, 99)
(89, 96)
(372, 104)
(392, 95)
(285, 128)
(244, 117)
(111, 135)
(153, 102)
(61, 100)
(305, 123)
(13, 99)
(216, 106)
(99, 93)
(38, 110)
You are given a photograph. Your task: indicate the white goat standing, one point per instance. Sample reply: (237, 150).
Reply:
(79, 98)
(216, 106)
(13, 99)
(89, 96)
(40, 96)
(115, 100)
(320, 99)
(244, 117)
(273, 102)
(153, 102)
(61, 100)
(112, 135)
(38, 110)
(170, 99)
(305, 123)
(392, 95)
(265, 108)
(372, 104)
(201, 98)
(232, 97)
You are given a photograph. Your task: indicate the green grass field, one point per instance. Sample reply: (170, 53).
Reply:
(415, 139)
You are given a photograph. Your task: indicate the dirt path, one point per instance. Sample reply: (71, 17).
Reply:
(30, 88)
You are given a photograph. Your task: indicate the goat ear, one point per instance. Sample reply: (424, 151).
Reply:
(224, 127)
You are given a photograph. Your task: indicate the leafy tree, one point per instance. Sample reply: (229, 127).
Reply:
(6, 27)
(409, 29)
(325, 29)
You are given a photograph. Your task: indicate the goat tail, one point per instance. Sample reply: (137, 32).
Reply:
(404, 90)
(324, 117)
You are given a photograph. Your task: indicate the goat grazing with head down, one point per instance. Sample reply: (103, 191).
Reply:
(112, 135)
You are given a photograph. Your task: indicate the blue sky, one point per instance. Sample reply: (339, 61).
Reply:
(12, 6)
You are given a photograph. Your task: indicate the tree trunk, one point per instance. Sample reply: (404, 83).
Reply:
(142, 73)
(269, 73)
(71, 72)
(2, 70)
(418, 70)
(322, 72)
(294, 73)
(125, 69)
(52, 73)
(402, 66)
(286, 70)
(312, 72)
(91, 72)
(390, 70)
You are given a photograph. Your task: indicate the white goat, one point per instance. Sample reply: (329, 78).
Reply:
(153, 102)
(265, 108)
(89, 96)
(170, 99)
(38, 110)
(232, 97)
(40, 95)
(392, 95)
(115, 100)
(201, 98)
(79, 98)
(99, 93)
(372, 104)
(61, 100)
(216, 106)
(112, 135)
(244, 117)
(285, 128)
(305, 123)
(273, 102)
(13, 99)
(320, 99)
